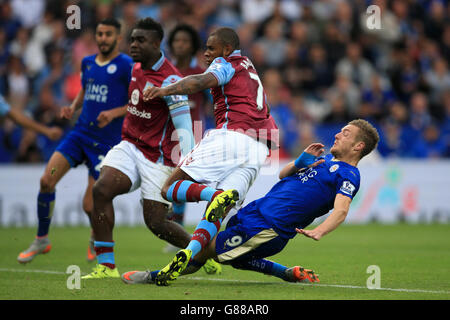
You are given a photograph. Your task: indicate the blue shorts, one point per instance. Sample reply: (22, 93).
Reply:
(247, 236)
(78, 148)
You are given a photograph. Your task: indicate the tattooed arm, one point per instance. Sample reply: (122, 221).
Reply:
(188, 85)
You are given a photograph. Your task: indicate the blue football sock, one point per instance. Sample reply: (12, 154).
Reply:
(178, 212)
(45, 205)
(262, 266)
(153, 274)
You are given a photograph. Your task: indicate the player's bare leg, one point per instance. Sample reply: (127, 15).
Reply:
(88, 207)
(155, 217)
(56, 168)
(110, 184)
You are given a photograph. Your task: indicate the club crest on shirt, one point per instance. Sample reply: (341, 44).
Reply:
(135, 96)
(334, 167)
(111, 68)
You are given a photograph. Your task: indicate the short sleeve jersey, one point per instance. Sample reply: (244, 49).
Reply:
(148, 124)
(106, 87)
(240, 102)
(295, 201)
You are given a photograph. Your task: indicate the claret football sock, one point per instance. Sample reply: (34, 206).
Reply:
(45, 205)
(188, 191)
(105, 253)
(202, 235)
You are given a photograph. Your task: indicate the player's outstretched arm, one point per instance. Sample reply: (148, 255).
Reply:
(341, 207)
(188, 85)
(53, 133)
(306, 159)
(105, 117)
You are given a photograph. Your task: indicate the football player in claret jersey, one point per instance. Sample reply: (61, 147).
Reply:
(104, 77)
(309, 187)
(184, 43)
(228, 157)
(146, 155)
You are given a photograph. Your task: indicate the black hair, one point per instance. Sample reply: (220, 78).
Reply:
(150, 25)
(195, 38)
(111, 22)
(227, 36)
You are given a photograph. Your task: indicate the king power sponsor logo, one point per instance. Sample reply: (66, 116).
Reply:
(96, 92)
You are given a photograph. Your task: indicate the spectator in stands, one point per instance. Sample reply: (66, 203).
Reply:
(419, 117)
(316, 73)
(17, 83)
(354, 66)
(274, 44)
(446, 122)
(376, 98)
(435, 144)
(54, 75)
(438, 79)
(396, 142)
(8, 22)
(350, 92)
(339, 110)
(299, 39)
(278, 95)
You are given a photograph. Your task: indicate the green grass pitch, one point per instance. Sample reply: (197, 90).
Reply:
(414, 262)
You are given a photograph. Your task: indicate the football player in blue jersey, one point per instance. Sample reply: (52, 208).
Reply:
(105, 78)
(309, 187)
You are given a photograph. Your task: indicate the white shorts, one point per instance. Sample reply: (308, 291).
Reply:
(150, 176)
(225, 159)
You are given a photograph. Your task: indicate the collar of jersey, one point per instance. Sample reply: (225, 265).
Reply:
(159, 63)
(235, 53)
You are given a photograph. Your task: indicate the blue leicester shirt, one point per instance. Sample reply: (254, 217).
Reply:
(106, 87)
(295, 201)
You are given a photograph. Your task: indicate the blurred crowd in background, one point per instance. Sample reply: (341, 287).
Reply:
(320, 65)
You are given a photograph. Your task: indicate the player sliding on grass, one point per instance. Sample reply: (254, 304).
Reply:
(228, 157)
(309, 187)
(104, 78)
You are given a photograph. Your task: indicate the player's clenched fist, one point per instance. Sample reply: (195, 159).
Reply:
(66, 113)
(54, 133)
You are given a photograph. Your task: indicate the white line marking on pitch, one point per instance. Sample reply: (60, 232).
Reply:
(254, 281)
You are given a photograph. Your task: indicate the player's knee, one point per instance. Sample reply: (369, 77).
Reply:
(47, 184)
(100, 191)
(164, 191)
